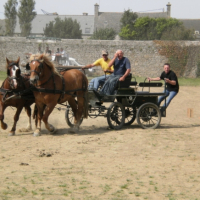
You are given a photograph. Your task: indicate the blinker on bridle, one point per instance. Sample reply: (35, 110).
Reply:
(40, 67)
(8, 71)
(12, 77)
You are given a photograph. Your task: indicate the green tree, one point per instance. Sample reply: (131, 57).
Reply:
(128, 18)
(146, 28)
(67, 28)
(10, 13)
(26, 15)
(104, 34)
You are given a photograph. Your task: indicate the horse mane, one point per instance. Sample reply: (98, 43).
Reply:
(45, 59)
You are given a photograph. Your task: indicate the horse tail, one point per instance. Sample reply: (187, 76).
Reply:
(85, 107)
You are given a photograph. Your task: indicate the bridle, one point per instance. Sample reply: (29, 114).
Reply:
(10, 78)
(40, 67)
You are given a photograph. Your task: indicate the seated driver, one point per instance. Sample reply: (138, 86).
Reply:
(103, 62)
(122, 69)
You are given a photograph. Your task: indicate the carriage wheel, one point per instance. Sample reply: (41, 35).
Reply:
(130, 115)
(116, 116)
(148, 116)
(69, 117)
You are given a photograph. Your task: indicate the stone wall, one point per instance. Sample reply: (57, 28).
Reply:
(146, 57)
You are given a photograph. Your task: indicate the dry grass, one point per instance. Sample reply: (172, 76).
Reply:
(97, 163)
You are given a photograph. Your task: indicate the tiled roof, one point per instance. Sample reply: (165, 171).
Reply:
(191, 23)
(112, 19)
(40, 21)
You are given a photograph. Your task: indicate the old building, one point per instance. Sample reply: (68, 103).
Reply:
(112, 19)
(88, 23)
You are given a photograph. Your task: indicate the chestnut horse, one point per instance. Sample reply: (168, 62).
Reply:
(9, 91)
(52, 88)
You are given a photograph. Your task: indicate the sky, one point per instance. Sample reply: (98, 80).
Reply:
(181, 9)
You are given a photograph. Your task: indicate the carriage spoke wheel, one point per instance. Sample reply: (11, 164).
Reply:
(130, 115)
(69, 117)
(116, 116)
(148, 116)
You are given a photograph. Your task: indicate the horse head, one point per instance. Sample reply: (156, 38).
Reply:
(36, 68)
(41, 68)
(13, 72)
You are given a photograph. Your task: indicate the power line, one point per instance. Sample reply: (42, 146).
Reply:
(152, 10)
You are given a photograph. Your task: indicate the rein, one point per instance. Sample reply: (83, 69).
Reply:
(15, 92)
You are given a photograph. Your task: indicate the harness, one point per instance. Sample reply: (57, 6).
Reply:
(12, 93)
(62, 92)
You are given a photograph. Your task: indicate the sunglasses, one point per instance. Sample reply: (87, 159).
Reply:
(104, 55)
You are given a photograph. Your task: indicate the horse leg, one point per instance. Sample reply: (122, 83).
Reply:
(81, 101)
(16, 118)
(29, 127)
(40, 109)
(49, 108)
(3, 124)
(74, 105)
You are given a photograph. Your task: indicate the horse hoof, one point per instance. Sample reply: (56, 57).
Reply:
(4, 126)
(53, 132)
(11, 134)
(36, 134)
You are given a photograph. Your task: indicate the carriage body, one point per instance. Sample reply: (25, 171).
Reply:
(130, 102)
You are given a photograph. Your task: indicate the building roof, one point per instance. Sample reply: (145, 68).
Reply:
(112, 19)
(109, 20)
(153, 14)
(191, 23)
(40, 21)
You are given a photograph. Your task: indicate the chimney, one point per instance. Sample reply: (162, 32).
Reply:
(85, 14)
(96, 10)
(168, 10)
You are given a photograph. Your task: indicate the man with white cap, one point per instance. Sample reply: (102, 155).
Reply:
(103, 62)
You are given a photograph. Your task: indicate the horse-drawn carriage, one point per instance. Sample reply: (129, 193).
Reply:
(131, 101)
(51, 87)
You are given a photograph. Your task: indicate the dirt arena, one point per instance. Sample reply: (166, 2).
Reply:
(98, 163)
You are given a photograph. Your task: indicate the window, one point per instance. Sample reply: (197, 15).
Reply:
(87, 30)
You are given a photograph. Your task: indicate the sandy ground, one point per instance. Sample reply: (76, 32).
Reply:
(97, 163)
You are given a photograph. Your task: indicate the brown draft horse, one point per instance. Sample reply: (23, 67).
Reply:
(13, 84)
(52, 88)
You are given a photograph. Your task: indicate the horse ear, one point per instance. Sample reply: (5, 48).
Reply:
(7, 60)
(18, 61)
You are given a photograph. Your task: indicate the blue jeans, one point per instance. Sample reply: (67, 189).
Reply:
(110, 85)
(95, 82)
(170, 95)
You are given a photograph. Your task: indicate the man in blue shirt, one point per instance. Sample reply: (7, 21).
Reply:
(122, 69)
